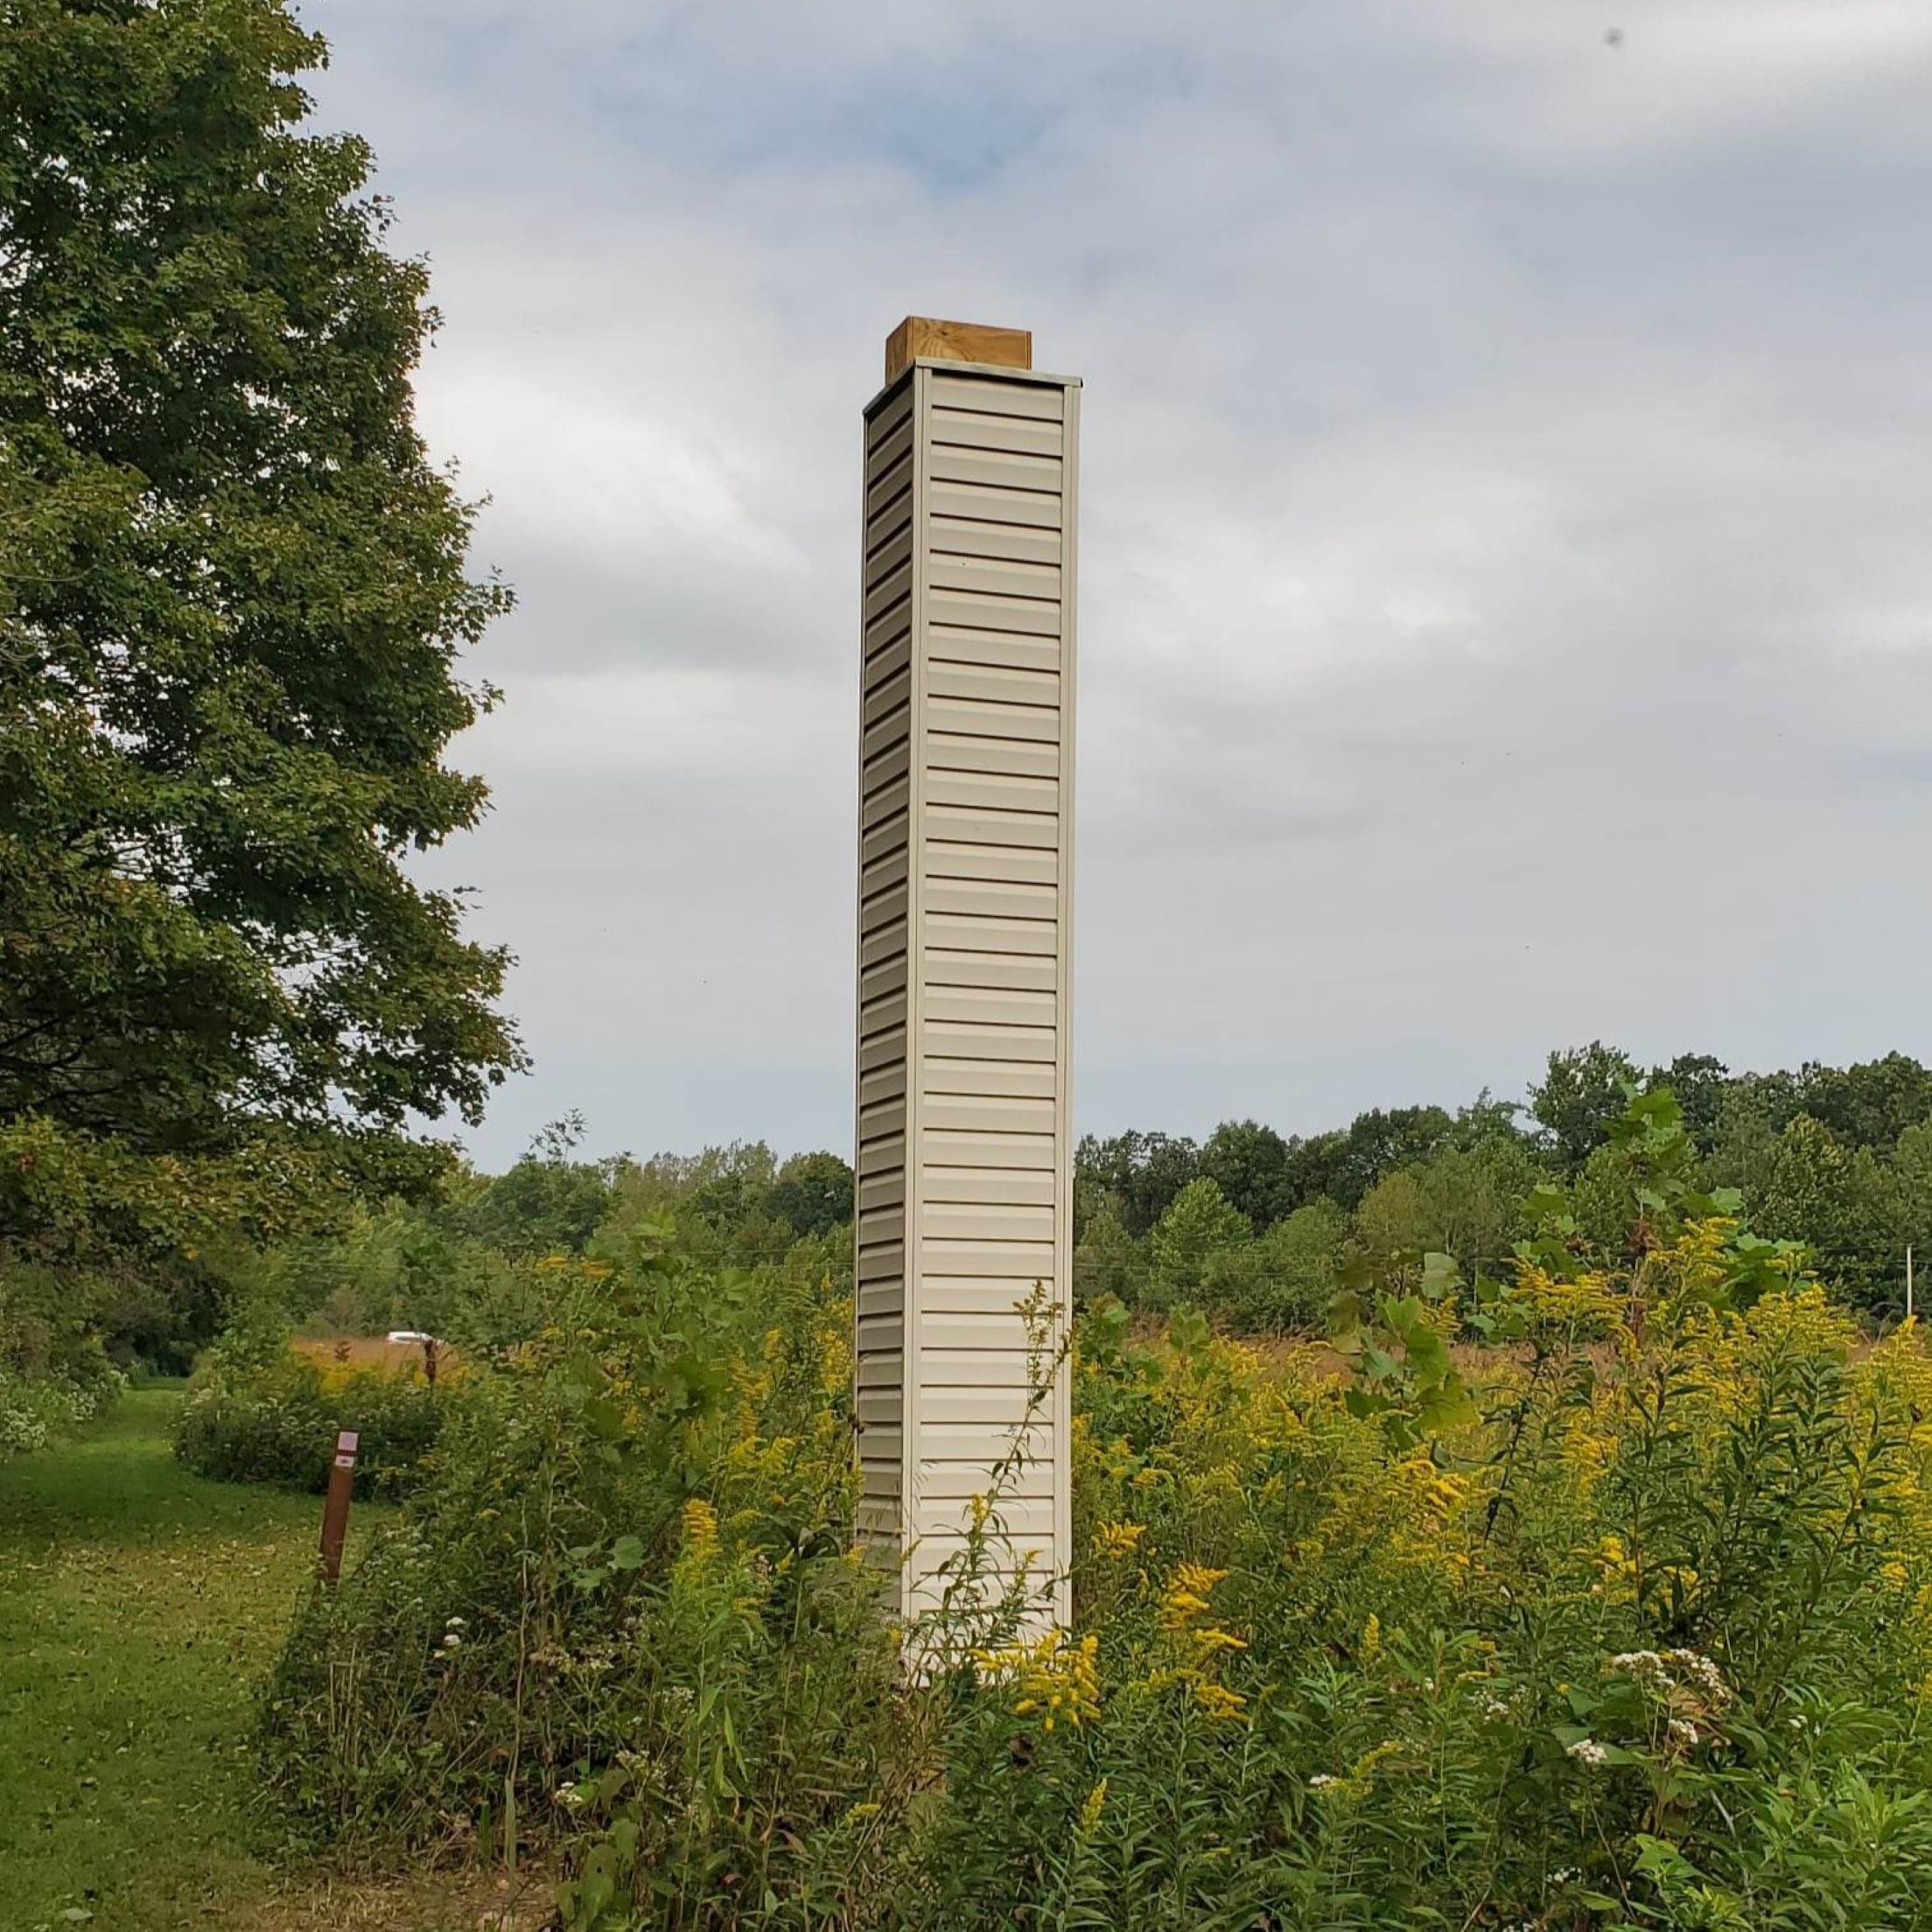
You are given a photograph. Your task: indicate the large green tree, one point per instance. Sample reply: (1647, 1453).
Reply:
(233, 597)
(1248, 1162)
(1583, 1090)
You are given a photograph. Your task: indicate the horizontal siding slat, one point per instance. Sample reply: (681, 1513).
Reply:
(1035, 970)
(968, 645)
(885, 1334)
(1013, 542)
(997, 1117)
(1017, 865)
(991, 684)
(879, 938)
(995, 1005)
(887, 826)
(882, 520)
(886, 1189)
(991, 899)
(1044, 401)
(882, 1369)
(882, 1049)
(887, 765)
(962, 1478)
(882, 1262)
(965, 1447)
(943, 1254)
(1019, 1517)
(981, 1146)
(993, 1186)
(895, 410)
(886, 589)
(889, 730)
(877, 1016)
(999, 792)
(881, 1144)
(1035, 509)
(1036, 616)
(889, 976)
(960, 718)
(888, 870)
(986, 1079)
(998, 1408)
(964, 933)
(879, 1405)
(952, 1220)
(976, 753)
(961, 1040)
(894, 553)
(892, 624)
(889, 448)
(981, 430)
(977, 826)
(969, 1295)
(882, 1101)
(880, 1297)
(947, 462)
(993, 576)
(1000, 1331)
(892, 656)
(885, 484)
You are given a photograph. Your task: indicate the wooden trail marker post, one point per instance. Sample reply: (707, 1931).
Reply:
(335, 1505)
(964, 1144)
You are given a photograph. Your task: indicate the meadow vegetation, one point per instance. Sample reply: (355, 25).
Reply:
(1595, 1590)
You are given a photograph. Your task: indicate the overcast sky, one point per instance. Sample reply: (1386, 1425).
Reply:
(1506, 548)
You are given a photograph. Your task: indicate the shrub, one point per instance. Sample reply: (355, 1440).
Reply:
(36, 1410)
(1283, 1281)
(276, 1421)
(54, 1374)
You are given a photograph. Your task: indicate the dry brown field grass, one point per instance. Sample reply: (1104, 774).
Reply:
(395, 1358)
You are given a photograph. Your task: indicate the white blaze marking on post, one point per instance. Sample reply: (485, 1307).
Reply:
(964, 1144)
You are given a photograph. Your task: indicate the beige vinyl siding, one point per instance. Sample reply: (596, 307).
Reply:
(885, 716)
(964, 1154)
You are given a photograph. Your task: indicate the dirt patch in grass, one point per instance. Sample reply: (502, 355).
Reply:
(432, 1903)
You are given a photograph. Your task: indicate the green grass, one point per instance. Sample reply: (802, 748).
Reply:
(139, 1606)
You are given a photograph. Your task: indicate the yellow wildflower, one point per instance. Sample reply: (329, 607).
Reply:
(1217, 1700)
(700, 1527)
(1091, 1810)
(1058, 1683)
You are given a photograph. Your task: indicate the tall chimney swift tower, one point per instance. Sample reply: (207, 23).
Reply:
(965, 902)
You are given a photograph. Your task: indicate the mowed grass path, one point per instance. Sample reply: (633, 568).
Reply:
(139, 1606)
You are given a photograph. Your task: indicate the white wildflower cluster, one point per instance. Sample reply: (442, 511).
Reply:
(568, 1795)
(1321, 1781)
(1663, 1671)
(1589, 1751)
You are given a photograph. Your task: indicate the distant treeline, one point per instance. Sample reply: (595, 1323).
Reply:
(1252, 1225)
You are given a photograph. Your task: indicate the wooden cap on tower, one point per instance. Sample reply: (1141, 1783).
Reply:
(926, 335)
